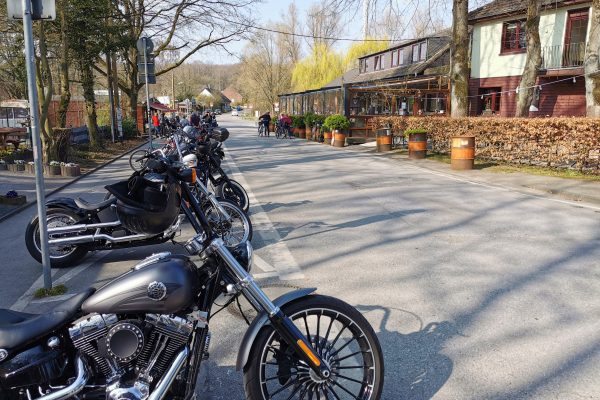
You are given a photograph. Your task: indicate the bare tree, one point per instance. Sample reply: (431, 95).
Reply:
(534, 58)
(592, 64)
(291, 24)
(322, 22)
(180, 26)
(459, 64)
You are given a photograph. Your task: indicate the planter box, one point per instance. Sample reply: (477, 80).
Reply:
(71, 170)
(12, 167)
(13, 201)
(339, 139)
(52, 170)
(30, 169)
(20, 167)
(417, 145)
(3, 167)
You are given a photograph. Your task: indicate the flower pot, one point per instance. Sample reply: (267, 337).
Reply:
(12, 167)
(307, 133)
(339, 138)
(30, 168)
(72, 170)
(327, 138)
(384, 141)
(463, 152)
(301, 133)
(271, 127)
(20, 167)
(417, 145)
(13, 201)
(52, 170)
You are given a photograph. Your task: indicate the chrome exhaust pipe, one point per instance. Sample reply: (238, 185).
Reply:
(83, 374)
(82, 227)
(167, 379)
(94, 238)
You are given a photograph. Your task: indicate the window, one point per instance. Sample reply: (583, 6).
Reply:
(489, 100)
(394, 58)
(379, 62)
(401, 57)
(423, 51)
(415, 53)
(376, 63)
(362, 66)
(382, 62)
(513, 37)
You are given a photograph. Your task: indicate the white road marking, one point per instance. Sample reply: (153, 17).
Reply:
(276, 250)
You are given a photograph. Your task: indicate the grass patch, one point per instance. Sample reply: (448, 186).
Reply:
(88, 158)
(500, 168)
(54, 291)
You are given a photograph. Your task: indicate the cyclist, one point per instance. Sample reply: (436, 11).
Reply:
(264, 121)
(285, 122)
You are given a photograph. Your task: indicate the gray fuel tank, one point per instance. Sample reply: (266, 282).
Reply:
(165, 284)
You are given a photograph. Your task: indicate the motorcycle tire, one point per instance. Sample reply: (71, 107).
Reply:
(60, 256)
(342, 337)
(241, 229)
(235, 192)
(137, 165)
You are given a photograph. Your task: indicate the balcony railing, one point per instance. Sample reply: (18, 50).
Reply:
(563, 56)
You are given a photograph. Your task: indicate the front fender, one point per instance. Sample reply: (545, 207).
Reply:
(65, 203)
(262, 320)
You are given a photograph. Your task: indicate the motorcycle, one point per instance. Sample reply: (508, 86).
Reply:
(144, 335)
(76, 227)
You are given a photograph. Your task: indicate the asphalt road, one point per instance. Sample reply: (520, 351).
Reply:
(475, 292)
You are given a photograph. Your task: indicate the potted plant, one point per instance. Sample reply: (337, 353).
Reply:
(30, 167)
(338, 123)
(299, 125)
(309, 121)
(272, 124)
(53, 168)
(71, 169)
(417, 143)
(12, 198)
(20, 165)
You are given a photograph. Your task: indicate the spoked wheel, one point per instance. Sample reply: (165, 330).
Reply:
(344, 340)
(233, 232)
(134, 160)
(235, 192)
(60, 255)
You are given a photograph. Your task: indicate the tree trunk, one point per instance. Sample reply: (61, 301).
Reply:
(87, 83)
(534, 59)
(592, 64)
(45, 92)
(65, 97)
(459, 65)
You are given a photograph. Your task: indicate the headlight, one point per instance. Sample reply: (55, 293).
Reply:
(243, 253)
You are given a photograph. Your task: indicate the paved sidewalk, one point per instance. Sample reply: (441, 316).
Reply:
(560, 188)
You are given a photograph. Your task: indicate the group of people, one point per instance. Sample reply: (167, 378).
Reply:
(284, 121)
(160, 121)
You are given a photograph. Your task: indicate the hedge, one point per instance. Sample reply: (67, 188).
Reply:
(553, 142)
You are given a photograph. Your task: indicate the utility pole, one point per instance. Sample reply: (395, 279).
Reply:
(117, 97)
(40, 189)
(173, 88)
(111, 103)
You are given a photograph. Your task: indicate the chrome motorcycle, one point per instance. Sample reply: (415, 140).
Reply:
(144, 335)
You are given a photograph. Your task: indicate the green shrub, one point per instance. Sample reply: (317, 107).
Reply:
(298, 121)
(129, 128)
(309, 119)
(337, 122)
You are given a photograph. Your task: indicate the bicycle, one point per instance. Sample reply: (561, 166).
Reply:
(282, 131)
(262, 129)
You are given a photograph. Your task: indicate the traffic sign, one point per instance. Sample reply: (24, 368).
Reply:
(40, 9)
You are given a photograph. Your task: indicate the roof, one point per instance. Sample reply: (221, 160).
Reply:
(215, 94)
(231, 93)
(345, 78)
(505, 8)
(444, 33)
(160, 107)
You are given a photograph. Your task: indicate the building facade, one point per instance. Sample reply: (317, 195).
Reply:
(499, 51)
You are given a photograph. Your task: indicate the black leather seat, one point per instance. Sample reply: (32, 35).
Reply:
(17, 328)
(81, 203)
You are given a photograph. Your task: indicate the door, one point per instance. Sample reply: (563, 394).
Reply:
(575, 38)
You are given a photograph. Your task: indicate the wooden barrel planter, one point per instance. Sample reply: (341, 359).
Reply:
(52, 170)
(327, 136)
(417, 145)
(271, 127)
(308, 134)
(384, 141)
(71, 170)
(463, 152)
(12, 167)
(296, 132)
(301, 133)
(30, 169)
(339, 139)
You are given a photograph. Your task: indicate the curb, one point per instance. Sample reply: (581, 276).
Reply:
(58, 189)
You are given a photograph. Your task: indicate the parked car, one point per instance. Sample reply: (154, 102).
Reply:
(234, 113)
(218, 111)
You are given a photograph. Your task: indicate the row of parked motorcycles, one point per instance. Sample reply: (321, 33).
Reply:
(144, 334)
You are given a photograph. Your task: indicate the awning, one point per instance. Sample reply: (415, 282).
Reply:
(160, 107)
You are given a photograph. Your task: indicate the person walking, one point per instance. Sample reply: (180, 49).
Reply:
(156, 123)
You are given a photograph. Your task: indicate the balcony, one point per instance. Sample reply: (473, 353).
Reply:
(563, 56)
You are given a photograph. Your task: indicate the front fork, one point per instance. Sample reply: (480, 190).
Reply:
(261, 302)
(213, 200)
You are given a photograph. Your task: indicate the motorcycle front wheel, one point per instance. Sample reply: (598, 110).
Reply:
(235, 192)
(342, 337)
(61, 256)
(235, 232)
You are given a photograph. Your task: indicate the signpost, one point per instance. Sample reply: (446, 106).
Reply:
(30, 10)
(145, 47)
